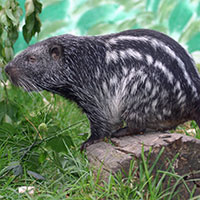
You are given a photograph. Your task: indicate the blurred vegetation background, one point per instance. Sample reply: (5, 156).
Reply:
(54, 127)
(178, 18)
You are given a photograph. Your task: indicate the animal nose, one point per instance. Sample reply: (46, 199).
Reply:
(12, 71)
(8, 69)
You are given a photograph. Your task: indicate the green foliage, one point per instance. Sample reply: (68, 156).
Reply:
(32, 20)
(37, 132)
(178, 18)
(177, 22)
(194, 43)
(69, 177)
(10, 14)
(40, 148)
(40, 134)
(96, 15)
(8, 111)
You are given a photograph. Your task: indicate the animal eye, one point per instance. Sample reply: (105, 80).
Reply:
(32, 59)
(56, 52)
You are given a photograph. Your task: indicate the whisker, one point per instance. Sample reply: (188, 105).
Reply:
(25, 86)
(36, 88)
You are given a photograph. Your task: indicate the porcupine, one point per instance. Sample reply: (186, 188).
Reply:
(129, 82)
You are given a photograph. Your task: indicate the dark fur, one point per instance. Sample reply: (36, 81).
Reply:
(114, 79)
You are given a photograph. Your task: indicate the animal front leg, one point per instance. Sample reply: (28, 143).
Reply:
(121, 132)
(125, 132)
(91, 140)
(132, 128)
(98, 132)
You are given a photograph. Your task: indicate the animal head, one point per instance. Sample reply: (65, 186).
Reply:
(38, 67)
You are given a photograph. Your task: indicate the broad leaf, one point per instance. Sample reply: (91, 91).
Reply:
(32, 21)
(35, 175)
(59, 143)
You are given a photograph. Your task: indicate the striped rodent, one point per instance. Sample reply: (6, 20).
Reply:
(141, 78)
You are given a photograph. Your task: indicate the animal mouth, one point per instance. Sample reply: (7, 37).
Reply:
(28, 85)
(13, 74)
(18, 79)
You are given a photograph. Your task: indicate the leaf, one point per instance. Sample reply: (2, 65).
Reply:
(7, 119)
(27, 28)
(33, 161)
(12, 109)
(58, 143)
(12, 165)
(18, 170)
(3, 19)
(2, 110)
(8, 51)
(18, 13)
(29, 7)
(12, 35)
(38, 6)
(13, 12)
(32, 21)
(37, 24)
(2, 114)
(1, 29)
(35, 175)
(7, 129)
(15, 167)
(43, 157)
(1, 76)
(9, 13)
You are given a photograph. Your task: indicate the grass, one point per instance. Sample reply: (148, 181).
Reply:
(62, 127)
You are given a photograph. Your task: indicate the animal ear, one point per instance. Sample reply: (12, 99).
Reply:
(56, 52)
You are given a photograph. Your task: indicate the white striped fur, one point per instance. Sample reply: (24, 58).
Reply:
(165, 70)
(159, 44)
(111, 56)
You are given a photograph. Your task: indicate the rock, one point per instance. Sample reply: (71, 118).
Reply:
(115, 157)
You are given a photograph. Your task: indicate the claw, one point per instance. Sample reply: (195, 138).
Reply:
(85, 145)
(88, 142)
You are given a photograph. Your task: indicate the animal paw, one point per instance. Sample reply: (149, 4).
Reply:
(89, 142)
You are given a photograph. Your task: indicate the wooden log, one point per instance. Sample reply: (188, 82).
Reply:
(117, 155)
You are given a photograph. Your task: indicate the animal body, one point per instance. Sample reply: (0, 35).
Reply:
(141, 78)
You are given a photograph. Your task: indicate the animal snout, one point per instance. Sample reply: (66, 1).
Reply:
(9, 69)
(13, 73)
